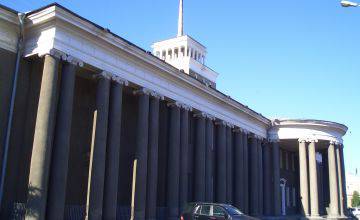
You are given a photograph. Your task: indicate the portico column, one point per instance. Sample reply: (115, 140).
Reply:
(333, 183)
(221, 165)
(340, 181)
(246, 172)
(98, 149)
(303, 172)
(344, 194)
(43, 138)
(276, 176)
(199, 188)
(260, 173)
(254, 177)
(60, 158)
(209, 160)
(267, 179)
(152, 175)
(314, 193)
(184, 154)
(141, 157)
(238, 170)
(229, 165)
(173, 178)
(113, 149)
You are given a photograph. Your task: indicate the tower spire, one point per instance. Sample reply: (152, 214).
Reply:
(180, 22)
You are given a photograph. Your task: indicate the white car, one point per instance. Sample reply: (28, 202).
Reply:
(356, 212)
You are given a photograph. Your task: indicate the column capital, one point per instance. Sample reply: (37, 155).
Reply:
(74, 61)
(273, 140)
(55, 53)
(211, 117)
(156, 95)
(302, 140)
(186, 107)
(220, 122)
(174, 104)
(335, 142)
(103, 74)
(200, 115)
(119, 80)
(142, 91)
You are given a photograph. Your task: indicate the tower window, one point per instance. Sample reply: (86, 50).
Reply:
(163, 55)
(176, 53)
(182, 51)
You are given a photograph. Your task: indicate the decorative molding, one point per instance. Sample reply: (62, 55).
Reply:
(157, 95)
(74, 61)
(57, 54)
(119, 80)
(186, 107)
(142, 91)
(200, 115)
(174, 104)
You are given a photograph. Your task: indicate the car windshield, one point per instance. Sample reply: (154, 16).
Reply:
(232, 210)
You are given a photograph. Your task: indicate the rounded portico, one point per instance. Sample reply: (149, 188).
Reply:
(311, 167)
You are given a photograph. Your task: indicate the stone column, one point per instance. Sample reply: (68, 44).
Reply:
(303, 173)
(314, 193)
(113, 150)
(254, 177)
(260, 178)
(43, 138)
(184, 154)
(340, 181)
(238, 170)
(209, 160)
(344, 194)
(276, 176)
(141, 157)
(229, 166)
(98, 150)
(152, 174)
(173, 178)
(221, 164)
(246, 172)
(199, 186)
(333, 183)
(60, 158)
(267, 180)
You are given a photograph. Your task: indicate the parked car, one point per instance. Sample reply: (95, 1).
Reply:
(212, 211)
(356, 212)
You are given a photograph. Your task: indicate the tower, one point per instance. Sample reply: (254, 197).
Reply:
(186, 54)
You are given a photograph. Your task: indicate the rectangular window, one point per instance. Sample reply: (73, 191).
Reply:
(294, 197)
(286, 160)
(281, 159)
(293, 162)
(287, 196)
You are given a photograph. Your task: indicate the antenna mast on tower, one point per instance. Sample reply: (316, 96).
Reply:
(180, 22)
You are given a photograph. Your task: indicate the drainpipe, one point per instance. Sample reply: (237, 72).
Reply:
(19, 52)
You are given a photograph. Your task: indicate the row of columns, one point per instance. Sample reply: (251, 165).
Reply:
(47, 190)
(309, 192)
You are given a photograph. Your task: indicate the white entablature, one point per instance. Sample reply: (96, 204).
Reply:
(307, 130)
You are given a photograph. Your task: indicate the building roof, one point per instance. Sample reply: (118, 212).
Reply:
(147, 53)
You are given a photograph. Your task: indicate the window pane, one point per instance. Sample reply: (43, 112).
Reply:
(218, 211)
(205, 210)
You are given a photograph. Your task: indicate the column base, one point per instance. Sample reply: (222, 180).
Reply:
(301, 217)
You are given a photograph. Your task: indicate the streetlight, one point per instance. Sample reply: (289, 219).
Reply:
(349, 4)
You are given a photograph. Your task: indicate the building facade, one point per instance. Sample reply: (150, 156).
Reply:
(92, 126)
(352, 185)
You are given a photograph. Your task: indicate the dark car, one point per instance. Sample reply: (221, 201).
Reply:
(212, 211)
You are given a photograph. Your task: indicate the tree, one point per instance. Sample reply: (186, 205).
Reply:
(355, 201)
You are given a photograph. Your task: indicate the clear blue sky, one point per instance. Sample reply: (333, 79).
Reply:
(293, 59)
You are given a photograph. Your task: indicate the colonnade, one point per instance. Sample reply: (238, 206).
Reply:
(309, 188)
(227, 168)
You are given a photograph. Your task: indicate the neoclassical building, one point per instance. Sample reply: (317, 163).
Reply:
(92, 126)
